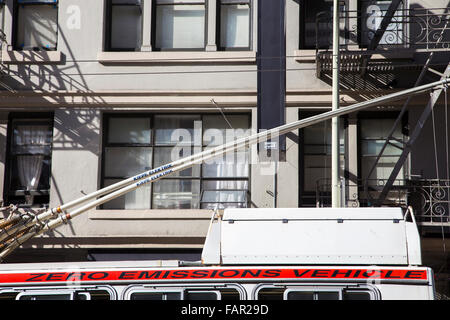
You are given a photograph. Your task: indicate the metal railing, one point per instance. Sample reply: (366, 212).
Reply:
(430, 198)
(418, 28)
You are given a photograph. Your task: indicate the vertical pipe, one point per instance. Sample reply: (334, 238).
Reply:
(335, 181)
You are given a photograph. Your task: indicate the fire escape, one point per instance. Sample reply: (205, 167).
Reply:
(379, 40)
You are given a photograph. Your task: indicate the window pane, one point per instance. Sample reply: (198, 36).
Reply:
(126, 27)
(129, 130)
(180, 26)
(356, 295)
(146, 296)
(127, 161)
(235, 26)
(37, 26)
(219, 130)
(299, 295)
(229, 165)
(177, 130)
(372, 15)
(327, 295)
(201, 296)
(176, 194)
(32, 135)
(46, 297)
(165, 155)
(137, 199)
(30, 172)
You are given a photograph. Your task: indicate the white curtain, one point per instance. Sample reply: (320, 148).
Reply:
(33, 139)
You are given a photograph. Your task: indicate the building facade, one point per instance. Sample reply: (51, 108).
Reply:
(92, 92)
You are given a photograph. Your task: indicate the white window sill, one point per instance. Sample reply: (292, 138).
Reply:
(151, 214)
(177, 57)
(31, 57)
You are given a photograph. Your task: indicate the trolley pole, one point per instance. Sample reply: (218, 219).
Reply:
(335, 181)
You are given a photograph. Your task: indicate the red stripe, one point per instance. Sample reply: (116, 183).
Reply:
(205, 273)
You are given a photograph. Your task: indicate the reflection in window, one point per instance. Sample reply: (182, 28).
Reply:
(373, 12)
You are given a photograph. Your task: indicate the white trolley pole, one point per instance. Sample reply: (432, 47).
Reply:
(40, 224)
(335, 163)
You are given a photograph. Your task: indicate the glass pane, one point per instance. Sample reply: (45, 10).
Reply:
(127, 161)
(373, 148)
(146, 296)
(201, 296)
(327, 295)
(316, 170)
(225, 196)
(372, 15)
(219, 130)
(176, 194)
(300, 295)
(180, 26)
(129, 130)
(30, 172)
(235, 26)
(356, 295)
(165, 155)
(229, 165)
(177, 130)
(378, 128)
(126, 27)
(37, 26)
(32, 135)
(137, 199)
(46, 297)
(225, 184)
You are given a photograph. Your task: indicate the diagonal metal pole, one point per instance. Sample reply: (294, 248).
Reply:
(434, 96)
(39, 228)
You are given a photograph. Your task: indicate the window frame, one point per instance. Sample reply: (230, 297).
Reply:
(155, 4)
(319, 287)
(302, 194)
(108, 27)
(379, 115)
(16, 7)
(219, 24)
(153, 145)
(184, 289)
(7, 192)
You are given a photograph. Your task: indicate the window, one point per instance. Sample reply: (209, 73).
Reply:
(36, 25)
(316, 19)
(124, 30)
(88, 293)
(234, 24)
(28, 161)
(136, 143)
(315, 150)
(373, 133)
(219, 292)
(282, 292)
(179, 24)
(372, 13)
